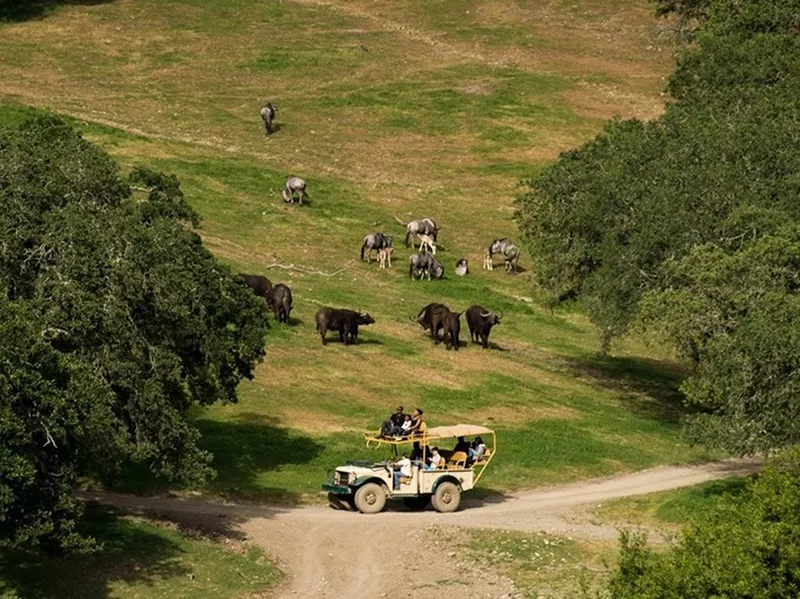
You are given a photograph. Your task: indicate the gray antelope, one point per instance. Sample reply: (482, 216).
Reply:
(374, 242)
(420, 265)
(420, 227)
(295, 186)
(268, 116)
(507, 249)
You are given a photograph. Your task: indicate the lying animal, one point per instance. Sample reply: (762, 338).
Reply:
(462, 267)
(294, 186)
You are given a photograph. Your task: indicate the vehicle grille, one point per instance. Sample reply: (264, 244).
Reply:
(340, 478)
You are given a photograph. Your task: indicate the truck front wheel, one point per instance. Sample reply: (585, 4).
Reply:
(370, 498)
(447, 498)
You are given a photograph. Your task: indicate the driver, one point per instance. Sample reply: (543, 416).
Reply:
(402, 468)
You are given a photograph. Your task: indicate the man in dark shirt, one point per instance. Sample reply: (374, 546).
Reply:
(398, 418)
(462, 445)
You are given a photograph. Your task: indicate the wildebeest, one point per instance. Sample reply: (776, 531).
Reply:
(346, 322)
(452, 328)
(462, 267)
(375, 242)
(432, 318)
(294, 186)
(420, 227)
(280, 300)
(268, 115)
(260, 285)
(420, 265)
(505, 247)
(384, 256)
(427, 244)
(480, 322)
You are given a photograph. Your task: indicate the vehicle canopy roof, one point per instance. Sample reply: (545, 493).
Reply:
(431, 434)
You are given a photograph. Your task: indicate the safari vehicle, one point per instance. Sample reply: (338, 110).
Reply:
(366, 486)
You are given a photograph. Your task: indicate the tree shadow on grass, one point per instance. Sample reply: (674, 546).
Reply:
(244, 449)
(26, 10)
(131, 553)
(648, 387)
(249, 447)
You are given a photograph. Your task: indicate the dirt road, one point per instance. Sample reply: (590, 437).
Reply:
(327, 553)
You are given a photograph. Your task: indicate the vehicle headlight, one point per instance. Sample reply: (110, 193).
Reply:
(351, 478)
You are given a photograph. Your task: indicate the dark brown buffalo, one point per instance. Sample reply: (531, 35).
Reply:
(431, 318)
(261, 286)
(344, 321)
(480, 322)
(280, 300)
(452, 329)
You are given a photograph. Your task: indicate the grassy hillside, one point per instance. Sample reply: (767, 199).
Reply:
(387, 108)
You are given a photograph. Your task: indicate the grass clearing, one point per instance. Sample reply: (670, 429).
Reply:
(143, 560)
(388, 109)
(672, 509)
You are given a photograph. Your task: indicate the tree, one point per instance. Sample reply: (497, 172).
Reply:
(746, 548)
(687, 225)
(125, 303)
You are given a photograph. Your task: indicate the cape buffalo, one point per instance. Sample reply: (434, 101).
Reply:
(261, 286)
(280, 300)
(452, 329)
(344, 321)
(480, 322)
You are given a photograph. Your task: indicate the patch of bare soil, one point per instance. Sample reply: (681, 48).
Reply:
(328, 553)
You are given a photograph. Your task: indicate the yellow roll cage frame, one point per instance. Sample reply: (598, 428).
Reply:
(375, 441)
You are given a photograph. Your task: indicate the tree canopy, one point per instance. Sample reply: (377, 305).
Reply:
(115, 319)
(687, 225)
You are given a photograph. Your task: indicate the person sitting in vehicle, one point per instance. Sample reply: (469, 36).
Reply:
(406, 427)
(393, 427)
(477, 450)
(462, 445)
(402, 469)
(436, 461)
(417, 425)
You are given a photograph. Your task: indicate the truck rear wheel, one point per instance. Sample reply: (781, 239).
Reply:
(447, 498)
(370, 498)
(417, 504)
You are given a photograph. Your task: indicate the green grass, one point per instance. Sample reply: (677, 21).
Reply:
(387, 108)
(673, 507)
(142, 560)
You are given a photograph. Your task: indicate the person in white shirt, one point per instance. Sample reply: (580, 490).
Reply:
(477, 450)
(402, 468)
(406, 426)
(436, 460)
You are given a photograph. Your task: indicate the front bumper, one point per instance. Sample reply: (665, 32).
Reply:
(337, 489)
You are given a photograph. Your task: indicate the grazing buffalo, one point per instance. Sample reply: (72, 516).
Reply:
(420, 227)
(295, 186)
(420, 265)
(344, 321)
(375, 242)
(261, 286)
(480, 322)
(462, 267)
(505, 247)
(452, 329)
(432, 318)
(280, 300)
(268, 115)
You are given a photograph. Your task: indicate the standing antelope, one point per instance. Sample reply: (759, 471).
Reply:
(427, 244)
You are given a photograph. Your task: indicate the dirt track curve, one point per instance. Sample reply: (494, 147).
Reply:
(328, 553)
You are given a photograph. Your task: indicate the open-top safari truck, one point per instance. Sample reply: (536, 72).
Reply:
(366, 486)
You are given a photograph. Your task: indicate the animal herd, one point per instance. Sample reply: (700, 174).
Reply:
(436, 318)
